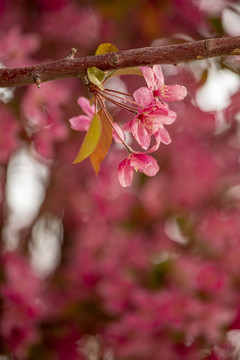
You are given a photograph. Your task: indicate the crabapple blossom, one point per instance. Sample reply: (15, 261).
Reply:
(156, 87)
(139, 162)
(81, 122)
(150, 118)
(150, 121)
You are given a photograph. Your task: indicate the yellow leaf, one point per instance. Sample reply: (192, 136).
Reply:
(105, 48)
(90, 140)
(104, 143)
(95, 76)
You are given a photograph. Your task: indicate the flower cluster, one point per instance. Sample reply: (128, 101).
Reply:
(152, 114)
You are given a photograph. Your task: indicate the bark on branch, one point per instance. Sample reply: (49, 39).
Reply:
(76, 68)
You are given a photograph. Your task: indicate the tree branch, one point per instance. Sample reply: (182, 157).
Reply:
(76, 68)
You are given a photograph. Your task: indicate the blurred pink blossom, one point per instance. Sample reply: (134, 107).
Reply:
(9, 131)
(43, 116)
(16, 47)
(21, 297)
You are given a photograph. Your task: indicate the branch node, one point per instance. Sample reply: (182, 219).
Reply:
(84, 79)
(207, 44)
(115, 59)
(71, 53)
(235, 51)
(37, 81)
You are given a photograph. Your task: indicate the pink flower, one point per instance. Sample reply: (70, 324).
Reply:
(16, 47)
(81, 122)
(156, 87)
(43, 117)
(139, 162)
(150, 121)
(9, 139)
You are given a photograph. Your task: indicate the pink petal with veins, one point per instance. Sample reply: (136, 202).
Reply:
(86, 107)
(164, 135)
(80, 123)
(149, 76)
(143, 96)
(125, 173)
(159, 79)
(171, 92)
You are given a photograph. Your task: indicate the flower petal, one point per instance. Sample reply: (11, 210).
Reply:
(143, 96)
(131, 126)
(171, 92)
(120, 133)
(152, 167)
(164, 135)
(149, 76)
(86, 107)
(80, 123)
(142, 136)
(159, 79)
(144, 163)
(138, 161)
(158, 142)
(166, 119)
(125, 173)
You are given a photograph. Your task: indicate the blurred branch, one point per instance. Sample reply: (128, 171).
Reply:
(76, 68)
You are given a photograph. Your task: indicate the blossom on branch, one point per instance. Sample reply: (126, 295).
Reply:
(81, 122)
(150, 121)
(138, 162)
(156, 87)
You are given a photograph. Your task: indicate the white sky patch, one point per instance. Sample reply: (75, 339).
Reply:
(215, 94)
(213, 7)
(6, 93)
(46, 243)
(162, 257)
(233, 336)
(231, 20)
(233, 193)
(173, 231)
(25, 191)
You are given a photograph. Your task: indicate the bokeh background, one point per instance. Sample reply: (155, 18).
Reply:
(90, 270)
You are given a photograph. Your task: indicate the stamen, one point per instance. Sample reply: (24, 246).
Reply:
(118, 92)
(129, 149)
(117, 103)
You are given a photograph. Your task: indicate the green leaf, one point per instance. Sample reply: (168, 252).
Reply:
(90, 140)
(96, 76)
(104, 143)
(126, 71)
(106, 48)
